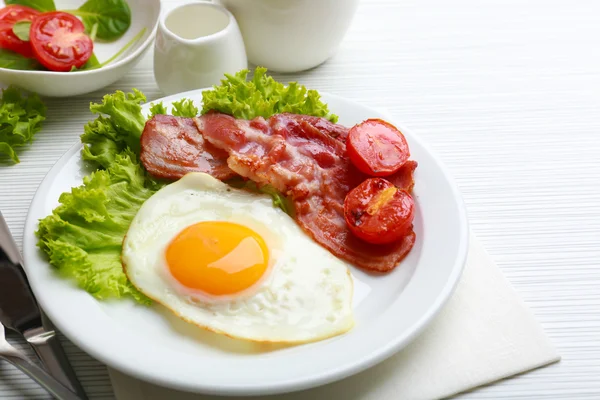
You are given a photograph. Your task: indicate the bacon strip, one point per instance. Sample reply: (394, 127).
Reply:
(337, 131)
(172, 146)
(404, 178)
(296, 157)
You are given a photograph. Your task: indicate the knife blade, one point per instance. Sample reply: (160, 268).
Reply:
(20, 312)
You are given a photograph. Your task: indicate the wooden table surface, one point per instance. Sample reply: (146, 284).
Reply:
(508, 93)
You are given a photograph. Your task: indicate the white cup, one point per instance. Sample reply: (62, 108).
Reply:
(196, 43)
(291, 35)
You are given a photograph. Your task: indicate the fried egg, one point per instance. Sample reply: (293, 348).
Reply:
(228, 261)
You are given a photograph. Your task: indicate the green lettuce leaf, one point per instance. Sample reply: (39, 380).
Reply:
(102, 142)
(279, 200)
(83, 235)
(181, 108)
(262, 96)
(125, 113)
(158, 109)
(12, 60)
(20, 119)
(111, 17)
(185, 108)
(40, 5)
(119, 126)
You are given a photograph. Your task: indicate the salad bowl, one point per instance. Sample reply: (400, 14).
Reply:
(144, 22)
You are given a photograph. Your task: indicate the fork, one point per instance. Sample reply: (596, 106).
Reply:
(19, 360)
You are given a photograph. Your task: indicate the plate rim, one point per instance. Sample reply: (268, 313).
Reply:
(383, 352)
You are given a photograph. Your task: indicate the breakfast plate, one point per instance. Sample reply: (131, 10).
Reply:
(153, 345)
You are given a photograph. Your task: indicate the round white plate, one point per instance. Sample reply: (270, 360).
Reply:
(150, 344)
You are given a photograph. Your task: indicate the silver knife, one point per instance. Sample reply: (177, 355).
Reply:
(20, 312)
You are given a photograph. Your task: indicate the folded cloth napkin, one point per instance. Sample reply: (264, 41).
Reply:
(484, 333)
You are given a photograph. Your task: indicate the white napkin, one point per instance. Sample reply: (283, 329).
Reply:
(484, 333)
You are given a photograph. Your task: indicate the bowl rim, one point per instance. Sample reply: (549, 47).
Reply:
(111, 66)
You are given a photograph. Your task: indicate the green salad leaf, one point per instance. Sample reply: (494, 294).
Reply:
(181, 108)
(125, 118)
(21, 30)
(92, 63)
(102, 142)
(262, 96)
(21, 118)
(185, 108)
(40, 5)
(158, 109)
(83, 235)
(112, 18)
(279, 200)
(13, 60)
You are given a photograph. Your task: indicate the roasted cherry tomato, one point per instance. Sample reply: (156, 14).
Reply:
(378, 212)
(377, 148)
(10, 15)
(59, 41)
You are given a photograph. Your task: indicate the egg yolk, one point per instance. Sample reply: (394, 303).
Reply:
(217, 257)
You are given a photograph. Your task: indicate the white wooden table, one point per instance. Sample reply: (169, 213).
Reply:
(508, 93)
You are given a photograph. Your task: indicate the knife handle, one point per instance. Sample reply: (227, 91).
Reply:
(50, 352)
(39, 375)
(34, 325)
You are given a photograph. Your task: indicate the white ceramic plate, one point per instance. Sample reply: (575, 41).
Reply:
(144, 14)
(152, 345)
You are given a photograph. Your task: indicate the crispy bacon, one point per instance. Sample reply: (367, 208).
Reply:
(324, 125)
(172, 146)
(404, 178)
(303, 160)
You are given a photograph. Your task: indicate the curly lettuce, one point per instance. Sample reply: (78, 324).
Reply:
(184, 108)
(158, 109)
(21, 118)
(262, 96)
(119, 126)
(181, 108)
(279, 200)
(83, 236)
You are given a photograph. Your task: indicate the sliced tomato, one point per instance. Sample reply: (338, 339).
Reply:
(377, 148)
(59, 41)
(10, 15)
(378, 212)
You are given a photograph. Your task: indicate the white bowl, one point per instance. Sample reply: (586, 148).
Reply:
(144, 14)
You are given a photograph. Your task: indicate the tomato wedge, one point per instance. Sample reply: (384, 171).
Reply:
(10, 15)
(377, 148)
(378, 212)
(59, 41)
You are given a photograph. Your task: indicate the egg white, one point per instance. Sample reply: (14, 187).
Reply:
(305, 295)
